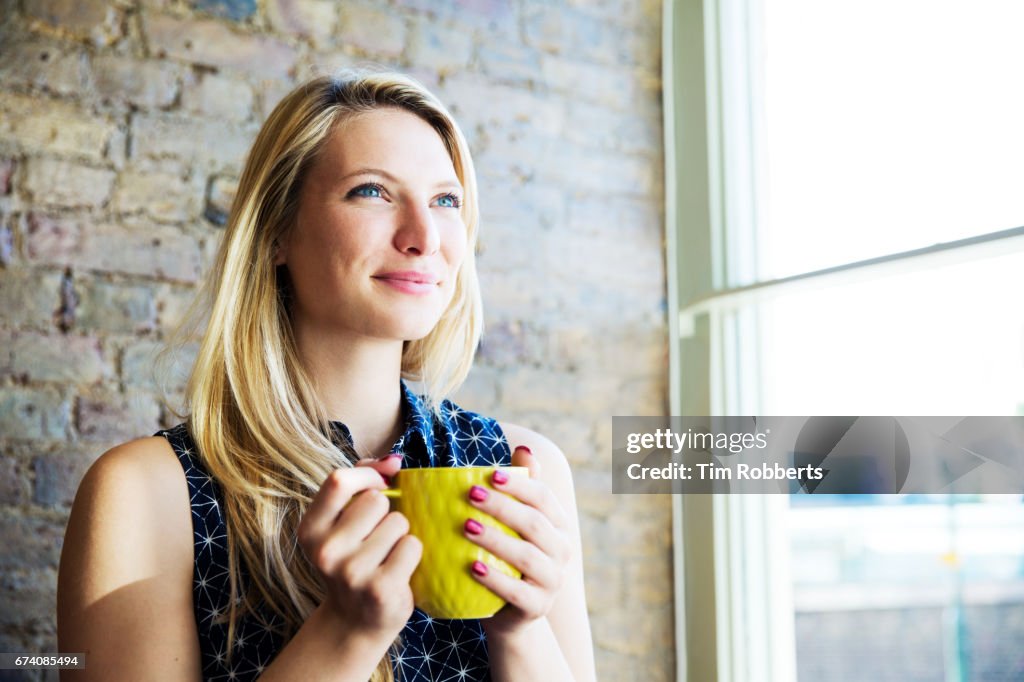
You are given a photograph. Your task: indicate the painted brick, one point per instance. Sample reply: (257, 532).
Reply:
(28, 298)
(97, 20)
(60, 183)
(110, 418)
(59, 473)
(371, 29)
(14, 488)
(29, 543)
(165, 197)
(236, 10)
(508, 62)
(53, 127)
(219, 195)
(116, 308)
(146, 84)
(444, 49)
(58, 358)
(618, 87)
(36, 413)
(45, 65)
(217, 96)
(6, 173)
(148, 250)
(315, 19)
(212, 144)
(210, 42)
(146, 366)
(172, 304)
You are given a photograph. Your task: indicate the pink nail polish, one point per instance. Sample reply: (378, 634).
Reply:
(395, 455)
(474, 527)
(480, 568)
(525, 449)
(499, 477)
(478, 494)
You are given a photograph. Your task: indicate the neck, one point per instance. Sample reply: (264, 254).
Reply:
(357, 380)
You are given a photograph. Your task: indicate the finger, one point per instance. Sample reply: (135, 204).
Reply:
(532, 492)
(522, 456)
(355, 525)
(404, 558)
(528, 558)
(379, 543)
(337, 490)
(528, 521)
(521, 594)
(387, 466)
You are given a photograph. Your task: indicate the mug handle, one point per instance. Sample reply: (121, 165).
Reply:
(392, 493)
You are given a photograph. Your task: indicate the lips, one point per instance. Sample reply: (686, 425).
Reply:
(409, 281)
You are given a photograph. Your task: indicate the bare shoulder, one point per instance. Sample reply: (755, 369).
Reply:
(128, 556)
(553, 465)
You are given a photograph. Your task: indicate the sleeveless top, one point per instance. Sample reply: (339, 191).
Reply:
(431, 649)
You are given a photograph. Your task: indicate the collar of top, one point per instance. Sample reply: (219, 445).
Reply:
(417, 439)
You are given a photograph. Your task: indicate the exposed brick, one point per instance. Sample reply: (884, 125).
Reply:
(316, 19)
(600, 127)
(219, 196)
(6, 171)
(165, 197)
(59, 473)
(111, 418)
(95, 19)
(151, 366)
(508, 62)
(217, 96)
(149, 250)
(208, 143)
(14, 487)
(61, 183)
(618, 87)
(28, 543)
(172, 304)
(564, 30)
(215, 44)
(53, 127)
(371, 29)
(117, 308)
(515, 108)
(44, 65)
(58, 358)
(28, 298)
(236, 10)
(146, 84)
(36, 413)
(439, 46)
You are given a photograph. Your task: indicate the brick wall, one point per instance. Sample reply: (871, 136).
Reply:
(123, 125)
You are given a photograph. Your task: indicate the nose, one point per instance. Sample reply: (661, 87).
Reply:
(417, 234)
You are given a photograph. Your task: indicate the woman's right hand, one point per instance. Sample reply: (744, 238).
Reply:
(363, 552)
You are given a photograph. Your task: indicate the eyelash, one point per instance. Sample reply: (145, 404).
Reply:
(355, 192)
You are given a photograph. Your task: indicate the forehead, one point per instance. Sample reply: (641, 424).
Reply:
(389, 139)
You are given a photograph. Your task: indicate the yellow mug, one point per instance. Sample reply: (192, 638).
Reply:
(436, 502)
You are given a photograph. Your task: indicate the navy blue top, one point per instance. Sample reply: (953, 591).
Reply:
(432, 649)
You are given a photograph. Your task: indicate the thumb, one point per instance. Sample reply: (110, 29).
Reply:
(523, 457)
(389, 466)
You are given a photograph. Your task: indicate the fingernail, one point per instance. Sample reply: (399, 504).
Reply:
(474, 527)
(395, 455)
(499, 477)
(524, 449)
(480, 568)
(478, 494)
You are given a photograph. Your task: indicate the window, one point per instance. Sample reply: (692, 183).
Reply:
(845, 237)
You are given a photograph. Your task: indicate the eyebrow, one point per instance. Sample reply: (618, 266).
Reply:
(383, 173)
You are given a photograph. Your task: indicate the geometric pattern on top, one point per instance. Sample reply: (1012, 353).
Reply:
(432, 649)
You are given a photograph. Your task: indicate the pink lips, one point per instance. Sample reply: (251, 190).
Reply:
(409, 281)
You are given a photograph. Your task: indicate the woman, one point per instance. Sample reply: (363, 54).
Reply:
(219, 549)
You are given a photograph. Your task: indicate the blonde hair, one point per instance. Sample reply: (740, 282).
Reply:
(254, 412)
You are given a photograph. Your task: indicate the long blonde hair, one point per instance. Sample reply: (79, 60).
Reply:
(253, 410)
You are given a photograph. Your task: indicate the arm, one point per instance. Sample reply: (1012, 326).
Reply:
(124, 594)
(557, 646)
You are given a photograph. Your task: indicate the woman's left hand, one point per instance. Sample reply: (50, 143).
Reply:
(542, 555)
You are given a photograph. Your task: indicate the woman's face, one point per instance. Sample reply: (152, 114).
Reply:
(379, 236)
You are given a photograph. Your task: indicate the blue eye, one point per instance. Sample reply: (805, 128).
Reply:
(370, 189)
(449, 201)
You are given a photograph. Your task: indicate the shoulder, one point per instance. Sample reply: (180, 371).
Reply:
(128, 554)
(553, 464)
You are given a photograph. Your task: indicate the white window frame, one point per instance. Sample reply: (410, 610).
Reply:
(733, 625)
